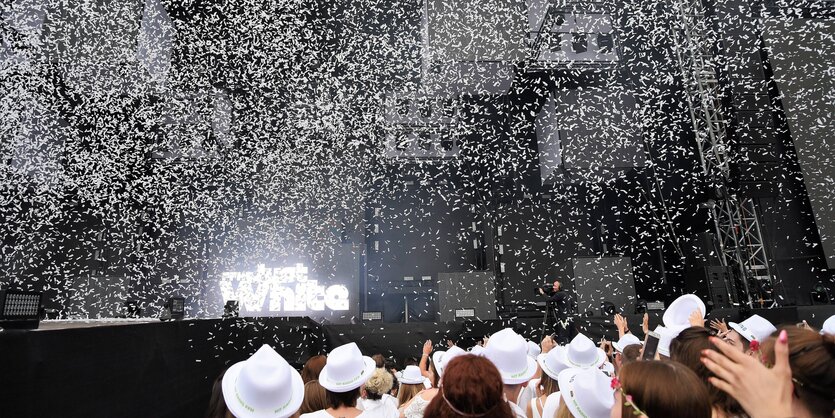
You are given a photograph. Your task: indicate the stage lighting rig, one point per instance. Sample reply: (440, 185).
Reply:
(607, 308)
(820, 295)
(19, 309)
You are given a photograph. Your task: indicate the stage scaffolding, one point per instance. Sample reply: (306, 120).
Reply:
(737, 225)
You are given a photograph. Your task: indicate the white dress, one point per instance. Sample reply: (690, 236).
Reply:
(552, 403)
(416, 407)
(534, 409)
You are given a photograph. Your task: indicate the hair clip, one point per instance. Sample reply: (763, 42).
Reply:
(627, 398)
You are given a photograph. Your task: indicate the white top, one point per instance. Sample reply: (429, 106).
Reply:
(526, 394)
(517, 411)
(534, 409)
(552, 403)
(379, 409)
(391, 400)
(416, 407)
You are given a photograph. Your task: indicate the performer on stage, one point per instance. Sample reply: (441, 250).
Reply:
(560, 303)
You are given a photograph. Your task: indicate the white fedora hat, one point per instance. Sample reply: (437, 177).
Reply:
(625, 341)
(587, 392)
(667, 336)
(346, 369)
(677, 315)
(442, 358)
(552, 362)
(533, 349)
(828, 326)
(477, 350)
(263, 385)
(582, 353)
(754, 328)
(412, 376)
(509, 353)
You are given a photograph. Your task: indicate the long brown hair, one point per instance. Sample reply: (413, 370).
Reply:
(217, 406)
(686, 349)
(664, 389)
(471, 385)
(548, 384)
(315, 398)
(312, 367)
(407, 392)
(812, 361)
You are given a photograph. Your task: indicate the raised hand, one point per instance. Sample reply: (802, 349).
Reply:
(696, 319)
(427, 347)
(645, 324)
(620, 322)
(547, 344)
(720, 326)
(762, 392)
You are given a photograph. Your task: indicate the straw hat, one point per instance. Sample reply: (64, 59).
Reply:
(509, 353)
(263, 385)
(346, 369)
(587, 392)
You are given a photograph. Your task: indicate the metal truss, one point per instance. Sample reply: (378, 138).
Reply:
(737, 226)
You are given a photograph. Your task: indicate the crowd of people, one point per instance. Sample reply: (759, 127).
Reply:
(683, 368)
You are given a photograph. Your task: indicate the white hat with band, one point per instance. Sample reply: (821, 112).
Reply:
(262, 386)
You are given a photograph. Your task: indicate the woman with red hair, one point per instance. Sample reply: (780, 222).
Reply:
(470, 387)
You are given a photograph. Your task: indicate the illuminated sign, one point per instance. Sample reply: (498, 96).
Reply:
(284, 289)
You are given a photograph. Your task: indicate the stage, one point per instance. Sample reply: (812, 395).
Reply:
(147, 368)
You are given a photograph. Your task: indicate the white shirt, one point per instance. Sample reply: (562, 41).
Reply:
(527, 393)
(379, 409)
(517, 411)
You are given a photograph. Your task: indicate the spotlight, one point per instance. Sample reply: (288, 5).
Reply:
(231, 309)
(174, 308)
(607, 308)
(19, 309)
(641, 307)
(820, 295)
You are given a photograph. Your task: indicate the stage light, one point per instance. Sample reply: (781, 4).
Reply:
(19, 309)
(607, 308)
(820, 295)
(641, 307)
(231, 309)
(372, 316)
(174, 308)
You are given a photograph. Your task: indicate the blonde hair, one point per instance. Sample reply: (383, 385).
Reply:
(563, 411)
(379, 384)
